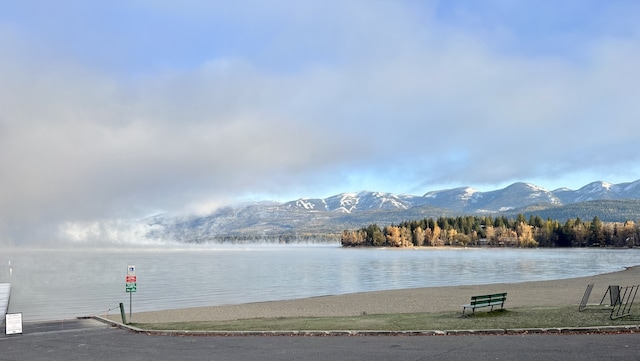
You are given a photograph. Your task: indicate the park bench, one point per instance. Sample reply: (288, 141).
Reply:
(492, 300)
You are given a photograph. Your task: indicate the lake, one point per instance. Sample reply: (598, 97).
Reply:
(59, 284)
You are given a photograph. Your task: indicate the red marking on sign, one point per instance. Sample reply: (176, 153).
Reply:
(131, 279)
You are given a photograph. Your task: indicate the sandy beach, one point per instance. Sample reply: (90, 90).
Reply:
(436, 299)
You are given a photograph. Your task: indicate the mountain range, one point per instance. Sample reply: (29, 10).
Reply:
(328, 217)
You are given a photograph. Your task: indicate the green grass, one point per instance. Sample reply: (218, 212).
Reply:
(547, 317)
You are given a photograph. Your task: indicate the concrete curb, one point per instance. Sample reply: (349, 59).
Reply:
(488, 332)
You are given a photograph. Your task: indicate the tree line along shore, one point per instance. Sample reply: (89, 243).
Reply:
(496, 232)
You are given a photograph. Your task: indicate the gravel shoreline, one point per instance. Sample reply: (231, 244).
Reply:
(433, 299)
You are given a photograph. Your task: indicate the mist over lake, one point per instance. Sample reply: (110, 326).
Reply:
(67, 283)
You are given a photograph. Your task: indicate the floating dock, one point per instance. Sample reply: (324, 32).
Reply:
(5, 292)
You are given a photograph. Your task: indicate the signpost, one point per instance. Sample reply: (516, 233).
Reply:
(131, 285)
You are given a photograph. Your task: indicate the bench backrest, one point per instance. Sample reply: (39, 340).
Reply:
(486, 299)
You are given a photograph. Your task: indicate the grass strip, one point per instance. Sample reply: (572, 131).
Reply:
(542, 317)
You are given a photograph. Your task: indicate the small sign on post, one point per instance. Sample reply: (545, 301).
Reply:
(131, 286)
(131, 283)
(131, 279)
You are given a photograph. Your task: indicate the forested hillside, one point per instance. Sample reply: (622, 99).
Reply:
(496, 232)
(608, 210)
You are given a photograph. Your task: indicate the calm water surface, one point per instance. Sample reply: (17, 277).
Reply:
(59, 284)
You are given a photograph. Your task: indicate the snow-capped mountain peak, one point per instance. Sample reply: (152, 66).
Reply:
(350, 208)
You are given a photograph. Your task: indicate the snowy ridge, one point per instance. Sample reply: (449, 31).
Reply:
(468, 199)
(353, 209)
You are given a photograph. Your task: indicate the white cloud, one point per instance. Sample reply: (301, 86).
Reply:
(345, 96)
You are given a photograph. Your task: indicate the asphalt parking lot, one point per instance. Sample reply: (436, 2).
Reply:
(93, 340)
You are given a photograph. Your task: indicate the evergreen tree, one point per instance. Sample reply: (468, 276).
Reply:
(597, 232)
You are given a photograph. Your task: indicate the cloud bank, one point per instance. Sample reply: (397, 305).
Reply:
(122, 110)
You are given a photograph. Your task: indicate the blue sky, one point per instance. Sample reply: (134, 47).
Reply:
(121, 109)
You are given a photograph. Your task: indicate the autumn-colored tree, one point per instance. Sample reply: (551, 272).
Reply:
(392, 234)
(436, 239)
(353, 238)
(428, 237)
(525, 235)
(490, 232)
(406, 238)
(450, 235)
(506, 236)
(462, 239)
(474, 237)
(418, 237)
(629, 234)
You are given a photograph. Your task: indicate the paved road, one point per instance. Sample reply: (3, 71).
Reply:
(92, 340)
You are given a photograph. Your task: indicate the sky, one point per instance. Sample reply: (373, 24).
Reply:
(117, 110)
